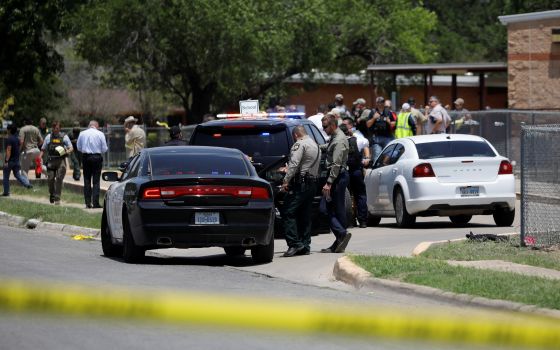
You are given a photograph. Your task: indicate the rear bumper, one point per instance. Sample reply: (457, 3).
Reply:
(427, 197)
(176, 227)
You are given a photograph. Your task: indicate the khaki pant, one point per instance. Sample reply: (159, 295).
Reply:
(56, 170)
(28, 158)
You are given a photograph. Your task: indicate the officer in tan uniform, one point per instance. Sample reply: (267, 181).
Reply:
(300, 185)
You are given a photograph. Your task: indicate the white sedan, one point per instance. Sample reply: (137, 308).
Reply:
(440, 175)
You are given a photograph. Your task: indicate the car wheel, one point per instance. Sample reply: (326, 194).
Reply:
(404, 219)
(109, 249)
(234, 251)
(350, 219)
(263, 254)
(373, 220)
(504, 217)
(131, 252)
(460, 219)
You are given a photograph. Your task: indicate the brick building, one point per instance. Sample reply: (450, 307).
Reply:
(533, 60)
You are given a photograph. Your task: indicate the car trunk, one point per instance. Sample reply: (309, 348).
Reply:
(461, 170)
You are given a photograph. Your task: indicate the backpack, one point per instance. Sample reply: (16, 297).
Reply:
(354, 155)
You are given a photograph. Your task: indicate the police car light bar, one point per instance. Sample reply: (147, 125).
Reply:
(294, 115)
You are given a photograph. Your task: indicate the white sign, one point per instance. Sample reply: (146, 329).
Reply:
(249, 107)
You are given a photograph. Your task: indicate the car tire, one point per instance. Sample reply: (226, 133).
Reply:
(460, 220)
(263, 254)
(234, 251)
(109, 248)
(404, 219)
(373, 220)
(131, 252)
(504, 217)
(350, 218)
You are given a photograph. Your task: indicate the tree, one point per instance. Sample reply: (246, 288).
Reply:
(210, 53)
(29, 64)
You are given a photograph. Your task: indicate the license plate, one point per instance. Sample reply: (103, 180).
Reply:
(201, 218)
(469, 191)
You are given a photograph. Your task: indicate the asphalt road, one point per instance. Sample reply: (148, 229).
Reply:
(51, 256)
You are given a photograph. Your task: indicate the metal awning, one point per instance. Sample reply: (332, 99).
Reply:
(431, 69)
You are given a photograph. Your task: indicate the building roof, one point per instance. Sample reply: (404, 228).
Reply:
(440, 68)
(528, 17)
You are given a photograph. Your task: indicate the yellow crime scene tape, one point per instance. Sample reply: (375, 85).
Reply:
(273, 315)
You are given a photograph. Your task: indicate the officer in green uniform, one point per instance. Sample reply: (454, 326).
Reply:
(335, 189)
(57, 146)
(300, 185)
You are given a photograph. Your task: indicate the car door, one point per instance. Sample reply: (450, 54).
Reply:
(375, 186)
(115, 198)
(390, 173)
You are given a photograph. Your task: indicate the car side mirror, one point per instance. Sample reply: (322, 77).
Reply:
(110, 176)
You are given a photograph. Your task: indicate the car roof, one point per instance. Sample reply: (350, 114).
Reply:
(223, 151)
(444, 137)
(256, 121)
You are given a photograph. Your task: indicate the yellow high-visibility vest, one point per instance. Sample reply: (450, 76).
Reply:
(402, 129)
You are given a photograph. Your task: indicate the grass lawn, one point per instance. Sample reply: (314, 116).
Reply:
(41, 189)
(507, 251)
(50, 213)
(431, 269)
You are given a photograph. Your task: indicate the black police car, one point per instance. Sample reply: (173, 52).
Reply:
(267, 142)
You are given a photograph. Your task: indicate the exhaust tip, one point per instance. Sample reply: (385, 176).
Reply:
(248, 242)
(164, 241)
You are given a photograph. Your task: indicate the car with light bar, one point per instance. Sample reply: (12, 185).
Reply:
(267, 139)
(188, 197)
(440, 175)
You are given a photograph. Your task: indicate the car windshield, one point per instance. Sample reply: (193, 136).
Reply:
(447, 149)
(198, 164)
(254, 143)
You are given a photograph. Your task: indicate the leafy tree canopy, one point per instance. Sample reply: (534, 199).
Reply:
(211, 53)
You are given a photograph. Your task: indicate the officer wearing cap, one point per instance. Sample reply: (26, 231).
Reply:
(300, 185)
(176, 137)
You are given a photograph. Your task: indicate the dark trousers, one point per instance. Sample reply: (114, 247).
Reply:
(92, 176)
(13, 166)
(296, 214)
(357, 188)
(56, 171)
(337, 207)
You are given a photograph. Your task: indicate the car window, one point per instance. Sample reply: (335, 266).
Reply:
(397, 153)
(447, 149)
(254, 143)
(385, 157)
(316, 133)
(198, 164)
(132, 168)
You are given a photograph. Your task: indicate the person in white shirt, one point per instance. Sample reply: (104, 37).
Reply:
(438, 118)
(92, 144)
(361, 140)
(316, 119)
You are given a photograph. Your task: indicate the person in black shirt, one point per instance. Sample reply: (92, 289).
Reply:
(176, 137)
(11, 162)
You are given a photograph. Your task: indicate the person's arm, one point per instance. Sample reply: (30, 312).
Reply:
(296, 155)
(68, 144)
(8, 155)
(369, 122)
(366, 159)
(412, 124)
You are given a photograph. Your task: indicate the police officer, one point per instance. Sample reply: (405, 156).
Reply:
(57, 146)
(176, 137)
(300, 185)
(335, 188)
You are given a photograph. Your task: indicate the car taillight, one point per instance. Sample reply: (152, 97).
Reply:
(205, 190)
(423, 170)
(505, 168)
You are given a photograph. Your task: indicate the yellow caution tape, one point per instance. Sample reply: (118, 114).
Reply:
(274, 315)
(83, 237)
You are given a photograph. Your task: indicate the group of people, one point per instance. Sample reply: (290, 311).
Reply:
(355, 137)
(49, 150)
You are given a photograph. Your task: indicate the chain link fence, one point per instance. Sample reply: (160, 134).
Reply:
(540, 185)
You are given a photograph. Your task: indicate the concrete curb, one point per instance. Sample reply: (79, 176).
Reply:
(346, 271)
(18, 221)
